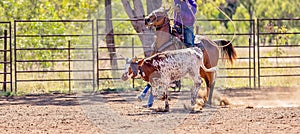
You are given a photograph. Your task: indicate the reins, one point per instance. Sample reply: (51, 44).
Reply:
(164, 24)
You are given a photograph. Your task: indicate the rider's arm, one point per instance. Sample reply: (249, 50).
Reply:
(193, 4)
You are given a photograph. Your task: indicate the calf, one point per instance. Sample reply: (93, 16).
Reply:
(163, 68)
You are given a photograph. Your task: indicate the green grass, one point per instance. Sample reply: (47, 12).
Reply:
(9, 94)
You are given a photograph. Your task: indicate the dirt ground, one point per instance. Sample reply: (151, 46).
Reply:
(252, 111)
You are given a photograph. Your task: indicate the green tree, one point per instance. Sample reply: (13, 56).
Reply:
(45, 10)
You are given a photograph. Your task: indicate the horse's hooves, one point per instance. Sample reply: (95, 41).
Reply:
(206, 105)
(188, 107)
(159, 109)
(193, 109)
(196, 111)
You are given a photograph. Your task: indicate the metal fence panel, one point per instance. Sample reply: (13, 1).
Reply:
(276, 56)
(57, 57)
(6, 52)
(278, 52)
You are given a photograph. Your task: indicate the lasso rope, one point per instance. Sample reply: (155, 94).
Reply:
(234, 27)
(234, 33)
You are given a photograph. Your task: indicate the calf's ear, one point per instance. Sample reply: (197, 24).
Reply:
(141, 62)
(127, 60)
(135, 59)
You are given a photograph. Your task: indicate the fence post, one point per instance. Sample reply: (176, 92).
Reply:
(97, 55)
(69, 60)
(250, 42)
(5, 60)
(10, 58)
(93, 57)
(132, 49)
(15, 54)
(258, 55)
(254, 57)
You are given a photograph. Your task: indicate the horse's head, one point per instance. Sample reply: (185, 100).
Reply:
(131, 68)
(157, 18)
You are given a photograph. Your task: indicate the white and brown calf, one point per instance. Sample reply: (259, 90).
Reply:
(163, 68)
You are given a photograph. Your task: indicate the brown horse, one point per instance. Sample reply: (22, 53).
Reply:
(166, 39)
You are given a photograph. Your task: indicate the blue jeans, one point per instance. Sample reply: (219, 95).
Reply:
(150, 98)
(188, 35)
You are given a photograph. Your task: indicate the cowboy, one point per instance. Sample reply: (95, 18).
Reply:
(184, 20)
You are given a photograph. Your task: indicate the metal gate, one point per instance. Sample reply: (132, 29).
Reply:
(278, 52)
(54, 59)
(6, 56)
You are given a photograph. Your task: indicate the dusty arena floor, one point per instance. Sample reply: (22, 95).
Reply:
(252, 111)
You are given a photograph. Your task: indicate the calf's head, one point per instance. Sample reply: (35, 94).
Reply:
(131, 68)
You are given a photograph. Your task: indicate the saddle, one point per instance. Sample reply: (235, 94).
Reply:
(176, 34)
(179, 36)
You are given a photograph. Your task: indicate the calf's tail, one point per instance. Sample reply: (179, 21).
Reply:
(199, 54)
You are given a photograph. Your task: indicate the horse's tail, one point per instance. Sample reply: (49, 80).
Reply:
(227, 50)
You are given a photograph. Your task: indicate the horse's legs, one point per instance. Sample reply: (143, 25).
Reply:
(177, 85)
(211, 93)
(167, 107)
(210, 87)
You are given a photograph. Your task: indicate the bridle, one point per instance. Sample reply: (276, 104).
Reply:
(166, 21)
(135, 68)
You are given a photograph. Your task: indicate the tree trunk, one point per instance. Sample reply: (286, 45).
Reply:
(137, 12)
(152, 5)
(110, 42)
